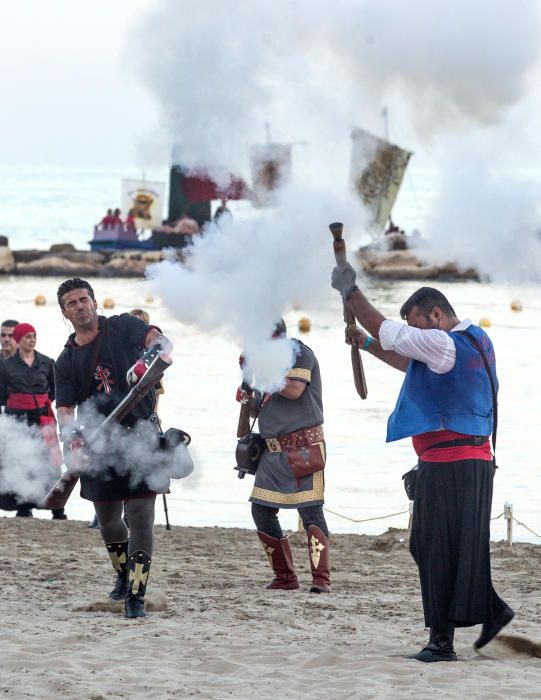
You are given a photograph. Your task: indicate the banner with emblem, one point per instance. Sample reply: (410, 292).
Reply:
(144, 201)
(271, 168)
(377, 170)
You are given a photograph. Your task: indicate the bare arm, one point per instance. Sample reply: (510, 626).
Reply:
(66, 417)
(293, 389)
(390, 357)
(367, 315)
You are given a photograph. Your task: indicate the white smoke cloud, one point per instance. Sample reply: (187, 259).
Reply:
(241, 277)
(24, 469)
(458, 78)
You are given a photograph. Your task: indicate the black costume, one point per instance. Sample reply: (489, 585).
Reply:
(95, 374)
(118, 345)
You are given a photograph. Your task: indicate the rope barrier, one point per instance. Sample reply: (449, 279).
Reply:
(403, 512)
(527, 528)
(365, 520)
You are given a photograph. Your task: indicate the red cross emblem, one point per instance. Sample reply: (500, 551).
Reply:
(102, 375)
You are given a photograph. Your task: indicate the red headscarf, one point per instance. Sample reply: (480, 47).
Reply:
(21, 330)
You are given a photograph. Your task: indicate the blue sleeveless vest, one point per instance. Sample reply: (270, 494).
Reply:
(459, 400)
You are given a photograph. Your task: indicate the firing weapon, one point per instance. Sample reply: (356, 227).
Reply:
(339, 246)
(61, 491)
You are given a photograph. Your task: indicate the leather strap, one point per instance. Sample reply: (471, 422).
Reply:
(300, 438)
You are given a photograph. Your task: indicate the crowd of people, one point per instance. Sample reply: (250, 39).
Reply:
(113, 220)
(447, 406)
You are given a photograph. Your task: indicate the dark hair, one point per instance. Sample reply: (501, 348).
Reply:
(70, 285)
(10, 323)
(426, 298)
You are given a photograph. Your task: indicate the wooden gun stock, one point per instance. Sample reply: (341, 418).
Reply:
(244, 419)
(340, 254)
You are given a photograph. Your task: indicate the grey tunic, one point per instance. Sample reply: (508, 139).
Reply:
(275, 485)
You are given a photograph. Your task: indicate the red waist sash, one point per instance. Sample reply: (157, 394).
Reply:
(28, 402)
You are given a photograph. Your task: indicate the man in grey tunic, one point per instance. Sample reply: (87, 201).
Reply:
(290, 472)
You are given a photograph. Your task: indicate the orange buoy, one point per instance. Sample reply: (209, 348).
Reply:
(108, 303)
(485, 322)
(40, 300)
(516, 305)
(304, 325)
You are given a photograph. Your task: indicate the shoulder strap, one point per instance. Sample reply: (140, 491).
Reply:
(473, 340)
(84, 391)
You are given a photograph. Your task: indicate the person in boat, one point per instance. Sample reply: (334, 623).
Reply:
(9, 346)
(290, 471)
(186, 225)
(98, 367)
(223, 213)
(107, 221)
(130, 226)
(27, 390)
(447, 406)
(117, 218)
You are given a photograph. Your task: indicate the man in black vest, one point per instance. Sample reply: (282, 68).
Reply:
(96, 368)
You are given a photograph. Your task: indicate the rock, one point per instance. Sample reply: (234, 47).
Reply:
(59, 267)
(57, 248)
(4, 242)
(7, 261)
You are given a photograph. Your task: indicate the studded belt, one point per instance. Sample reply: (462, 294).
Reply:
(300, 438)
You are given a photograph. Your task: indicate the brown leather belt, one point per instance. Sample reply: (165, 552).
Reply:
(300, 438)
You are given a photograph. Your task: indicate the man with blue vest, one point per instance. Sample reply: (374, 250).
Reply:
(446, 406)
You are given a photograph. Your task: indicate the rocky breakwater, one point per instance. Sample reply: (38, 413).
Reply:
(63, 260)
(405, 265)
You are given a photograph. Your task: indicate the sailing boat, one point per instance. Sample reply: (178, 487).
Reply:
(377, 170)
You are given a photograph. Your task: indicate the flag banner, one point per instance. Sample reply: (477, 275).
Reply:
(271, 168)
(377, 169)
(144, 201)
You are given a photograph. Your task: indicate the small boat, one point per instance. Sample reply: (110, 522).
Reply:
(118, 238)
(377, 171)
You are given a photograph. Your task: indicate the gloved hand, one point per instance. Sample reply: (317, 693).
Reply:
(343, 279)
(135, 372)
(244, 393)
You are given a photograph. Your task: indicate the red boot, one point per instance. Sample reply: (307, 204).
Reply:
(281, 561)
(318, 549)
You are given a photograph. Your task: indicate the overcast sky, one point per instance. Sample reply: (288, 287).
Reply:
(113, 82)
(69, 95)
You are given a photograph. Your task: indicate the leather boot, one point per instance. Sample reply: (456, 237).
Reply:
(138, 568)
(280, 558)
(440, 644)
(118, 551)
(491, 629)
(318, 549)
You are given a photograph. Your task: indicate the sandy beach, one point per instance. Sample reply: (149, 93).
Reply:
(212, 631)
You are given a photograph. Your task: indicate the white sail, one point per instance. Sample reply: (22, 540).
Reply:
(377, 169)
(144, 201)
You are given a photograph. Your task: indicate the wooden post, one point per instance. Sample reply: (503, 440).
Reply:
(508, 515)
(300, 525)
(411, 515)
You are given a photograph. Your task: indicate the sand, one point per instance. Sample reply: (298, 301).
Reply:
(214, 632)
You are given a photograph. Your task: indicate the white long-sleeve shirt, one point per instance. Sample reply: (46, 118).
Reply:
(433, 347)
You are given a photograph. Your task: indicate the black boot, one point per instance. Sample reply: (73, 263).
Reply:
(58, 514)
(491, 629)
(440, 645)
(118, 551)
(138, 568)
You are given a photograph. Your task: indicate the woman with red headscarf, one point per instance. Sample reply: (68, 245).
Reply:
(27, 390)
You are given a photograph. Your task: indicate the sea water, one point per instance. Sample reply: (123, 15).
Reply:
(363, 474)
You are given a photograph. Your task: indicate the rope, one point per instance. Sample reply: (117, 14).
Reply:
(365, 520)
(498, 516)
(527, 528)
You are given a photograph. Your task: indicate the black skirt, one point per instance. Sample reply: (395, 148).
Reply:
(450, 542)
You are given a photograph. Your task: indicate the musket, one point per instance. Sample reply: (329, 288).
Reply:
(339, 246)
(61, 491)
(243, 427)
